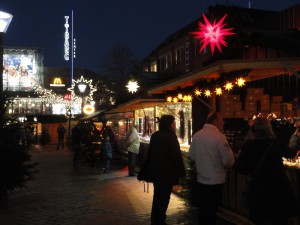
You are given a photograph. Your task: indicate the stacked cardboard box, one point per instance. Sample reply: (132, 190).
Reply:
(257, 102)
(253, 101)
(276, 106)
(229, 104)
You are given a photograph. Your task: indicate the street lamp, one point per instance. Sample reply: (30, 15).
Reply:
(69, 114)
(82, 88)
(5, 19)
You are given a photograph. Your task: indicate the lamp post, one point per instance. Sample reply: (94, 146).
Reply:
(5, 19)
(82, 88)
(69, 114)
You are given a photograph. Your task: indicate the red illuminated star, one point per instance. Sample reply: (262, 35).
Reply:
(212, 34)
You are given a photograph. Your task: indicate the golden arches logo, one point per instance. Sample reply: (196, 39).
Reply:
(57, 80)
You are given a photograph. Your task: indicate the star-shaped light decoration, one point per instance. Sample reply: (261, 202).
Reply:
(240, 82)
(207, 93)
(169, 99)
(212, 34)
(197, 92)
(132, 86)
(80, 81)
(228, 86)
(218, 91)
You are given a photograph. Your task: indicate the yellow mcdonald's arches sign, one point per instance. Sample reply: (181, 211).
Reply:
(57, 82)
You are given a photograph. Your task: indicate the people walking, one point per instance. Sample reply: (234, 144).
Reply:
(132, 145)
(61, 131)
(165, 167)
(107, 153)
(212, 155)
(271, 199)
(76, 141)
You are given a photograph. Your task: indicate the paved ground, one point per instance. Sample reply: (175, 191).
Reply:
(64, 195)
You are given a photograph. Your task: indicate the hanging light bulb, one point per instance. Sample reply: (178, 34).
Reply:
(197, 92)
(207, 93)
(189, 98)
(179, 96)
(228, 86)
(240, 82)
(175, 100)
(169, 99)
(218, 91)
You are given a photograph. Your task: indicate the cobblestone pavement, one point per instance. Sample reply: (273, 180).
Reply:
(62, 194)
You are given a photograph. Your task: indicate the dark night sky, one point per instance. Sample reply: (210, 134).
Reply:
(99, 24)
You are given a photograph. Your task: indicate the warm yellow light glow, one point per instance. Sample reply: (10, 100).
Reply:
(175, 100)
(180, 96)
(88, 109)
(189, 98)
(197, 92)
(240, 82)
(228, 86)
(218, 91)
(132, 86)
(169, 99)
(207, 93)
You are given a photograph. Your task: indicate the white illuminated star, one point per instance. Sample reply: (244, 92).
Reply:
(132, 86)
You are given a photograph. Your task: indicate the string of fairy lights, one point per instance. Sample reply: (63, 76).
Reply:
(218, 90)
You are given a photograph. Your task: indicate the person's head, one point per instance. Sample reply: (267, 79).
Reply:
(215, 118)
(167, 123)
(262, 129)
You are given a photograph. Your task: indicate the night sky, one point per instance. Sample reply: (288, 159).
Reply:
(100, 25)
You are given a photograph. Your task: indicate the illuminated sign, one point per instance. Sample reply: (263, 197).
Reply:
(67, 37)
(57, 83)
(68, 97)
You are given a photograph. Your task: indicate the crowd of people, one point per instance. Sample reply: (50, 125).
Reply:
(270, 197)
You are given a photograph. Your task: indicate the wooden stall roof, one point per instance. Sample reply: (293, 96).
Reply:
(258, 69)
(138, 103)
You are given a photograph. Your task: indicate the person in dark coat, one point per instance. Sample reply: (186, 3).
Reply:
(76, 140)
(271, 199)
(61, 131)
(165, 167)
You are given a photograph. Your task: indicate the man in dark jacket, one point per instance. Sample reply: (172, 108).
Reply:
(165, 167)
(61, 131)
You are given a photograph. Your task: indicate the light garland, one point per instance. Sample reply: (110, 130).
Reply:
(219, 90)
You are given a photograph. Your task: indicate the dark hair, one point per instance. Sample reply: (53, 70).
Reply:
(261, 129)
(165, 122)
(212, 117)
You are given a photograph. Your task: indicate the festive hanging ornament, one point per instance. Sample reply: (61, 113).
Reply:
(197, 92)
(132, 86)
(228, 86)
(240, 82)
(218, 91)
(169, 99)
(212, 34)
(82, 80)
(207, 93)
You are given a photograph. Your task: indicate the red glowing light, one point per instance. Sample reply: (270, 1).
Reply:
(212, 34)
